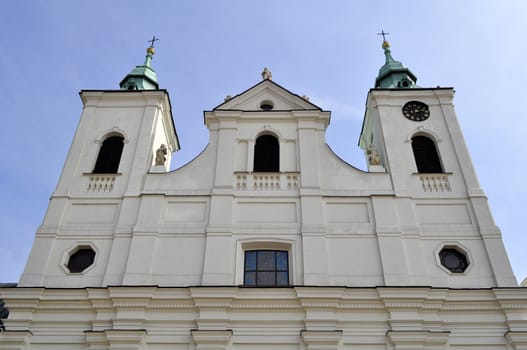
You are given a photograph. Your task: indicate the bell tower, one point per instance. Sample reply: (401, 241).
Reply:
(122, 136)
(416, 136)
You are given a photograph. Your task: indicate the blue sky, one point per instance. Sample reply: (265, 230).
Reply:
(327, 50)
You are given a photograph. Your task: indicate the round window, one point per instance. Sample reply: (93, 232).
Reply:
(266, 105)
(454, 260)
(81, 259)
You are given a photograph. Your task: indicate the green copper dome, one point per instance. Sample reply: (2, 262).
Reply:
(394, 74)
(141, 77)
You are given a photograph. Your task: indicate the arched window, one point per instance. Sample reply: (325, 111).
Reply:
(109, 155)
(426, 157)
(266, 154)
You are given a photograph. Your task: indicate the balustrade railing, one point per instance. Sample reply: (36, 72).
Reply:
(435, 182)
(266, 181)
(101, 182)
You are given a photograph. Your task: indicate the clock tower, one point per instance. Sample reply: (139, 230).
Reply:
(416, 133)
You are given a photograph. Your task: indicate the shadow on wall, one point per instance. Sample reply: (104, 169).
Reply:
(4, 312)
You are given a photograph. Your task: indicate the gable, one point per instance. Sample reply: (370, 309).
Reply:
(266, 92)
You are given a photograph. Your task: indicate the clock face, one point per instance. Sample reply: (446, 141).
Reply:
(416, 111)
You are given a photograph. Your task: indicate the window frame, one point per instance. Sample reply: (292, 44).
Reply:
(259, 270)
(287, 245)
(461, 249)
(72, 250)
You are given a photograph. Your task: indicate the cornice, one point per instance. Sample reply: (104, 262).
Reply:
(301, 298)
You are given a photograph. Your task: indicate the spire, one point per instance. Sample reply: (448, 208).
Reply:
(393, 74)
(142, 77)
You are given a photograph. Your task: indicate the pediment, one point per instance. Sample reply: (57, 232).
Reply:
(264, 92)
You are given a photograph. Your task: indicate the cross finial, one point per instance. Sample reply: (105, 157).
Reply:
(383, 35)
(154, 39)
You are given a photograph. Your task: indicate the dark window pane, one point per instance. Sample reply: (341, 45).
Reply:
(266, 279)
(250, 279)
(282, 279)
(250, 260)
(266, 268)
(426, 157)
(109, 155)
(80, 260)
(281, 261)
(266, 260)
(266, 154)
(453, 260)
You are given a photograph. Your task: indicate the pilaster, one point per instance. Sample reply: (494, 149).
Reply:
(15, 340)
(125, 339)
(121, 339)
(419, 339)
(322, 340)
(518, 340)
(212, 339)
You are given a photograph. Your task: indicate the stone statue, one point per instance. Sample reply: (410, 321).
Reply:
(373, 156)
(266, 74)
(160, 155)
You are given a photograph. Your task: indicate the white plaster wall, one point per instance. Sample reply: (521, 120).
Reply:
(343, 226)
(277, 318)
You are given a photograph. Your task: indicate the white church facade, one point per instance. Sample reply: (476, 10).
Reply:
(267, 240)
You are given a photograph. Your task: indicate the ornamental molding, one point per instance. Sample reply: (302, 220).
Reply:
(517, 338)
(471, 307)
(327, 340)
(201, 304)
(102, 304)
(169, 305)
(512, 306)
(15, 339)
(509, 300)
(115, 131)
(404, 305)
(129, 339)
(361, 306)
(64, 306)
(212, 339)
(319, 305)
(266, 306)
(125, 304)
(418, 337)
(44, 305)
(15, 305)
(421, 130)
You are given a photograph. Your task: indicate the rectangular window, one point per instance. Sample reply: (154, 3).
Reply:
(266, 268)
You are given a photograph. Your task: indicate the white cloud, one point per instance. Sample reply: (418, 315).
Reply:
(339, 109)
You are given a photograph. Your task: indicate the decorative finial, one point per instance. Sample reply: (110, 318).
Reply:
(266, 74)
(383, 35)
(385, 44)
(142, 77)
(393, 74)
(152, 41)
(151, 50)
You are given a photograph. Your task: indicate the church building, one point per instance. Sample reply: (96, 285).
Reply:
(267, 239)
